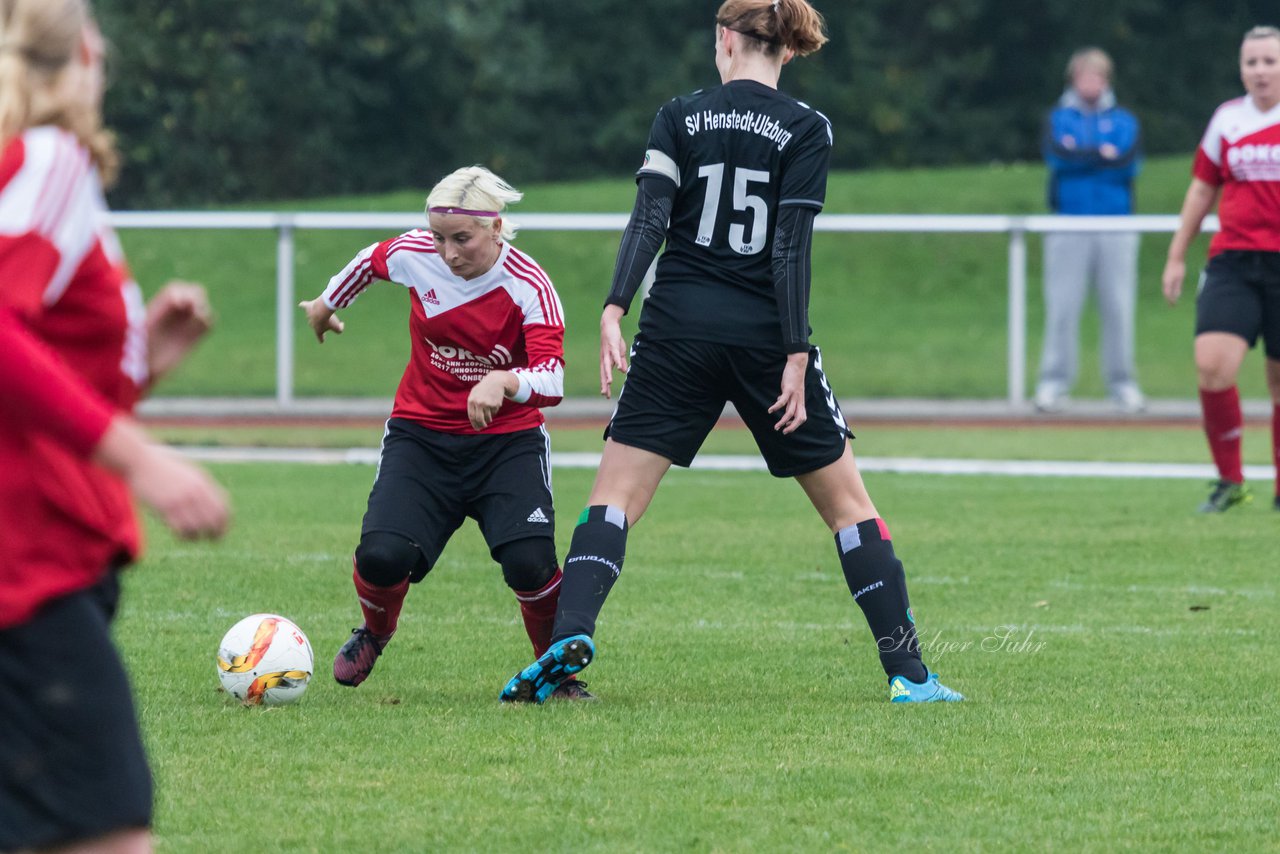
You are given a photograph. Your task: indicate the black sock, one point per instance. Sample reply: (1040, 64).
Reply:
(879, 586)
(590, 569)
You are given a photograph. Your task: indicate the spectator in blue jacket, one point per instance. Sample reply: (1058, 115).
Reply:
(1091, 146)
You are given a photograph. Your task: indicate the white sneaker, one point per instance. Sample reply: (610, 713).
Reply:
(1050, 399)
(1128, 399)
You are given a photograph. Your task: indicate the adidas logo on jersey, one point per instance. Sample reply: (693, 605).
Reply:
(430, 296)
(538, 516)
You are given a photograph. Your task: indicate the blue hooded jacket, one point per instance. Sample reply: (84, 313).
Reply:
(1081, 180)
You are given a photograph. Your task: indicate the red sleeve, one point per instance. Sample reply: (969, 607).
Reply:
(27, 264)
(1205, 169)
(378, 261)
(544, 344)
(544, 378)
(37, 387)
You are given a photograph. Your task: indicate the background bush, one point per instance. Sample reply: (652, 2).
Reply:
(221, 102)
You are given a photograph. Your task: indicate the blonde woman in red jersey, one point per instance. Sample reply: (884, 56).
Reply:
(79, 348)
(466, 435)
(1237, 162)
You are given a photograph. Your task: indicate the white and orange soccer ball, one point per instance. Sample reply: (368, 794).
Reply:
(265, 660)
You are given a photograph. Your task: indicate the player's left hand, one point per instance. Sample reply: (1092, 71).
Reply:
(177, 318)
(486, 398)
(791, 401)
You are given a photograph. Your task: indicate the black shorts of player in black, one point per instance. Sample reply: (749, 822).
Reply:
(72, 765)
(429, 483)
(1239, 293)
(676, 392)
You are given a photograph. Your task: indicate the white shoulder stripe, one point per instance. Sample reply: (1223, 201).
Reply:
(525, 269)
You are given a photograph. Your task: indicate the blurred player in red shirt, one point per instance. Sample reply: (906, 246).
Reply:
(79, 348)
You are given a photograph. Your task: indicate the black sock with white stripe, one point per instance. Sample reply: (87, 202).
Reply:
(590, 569)
(879, 586)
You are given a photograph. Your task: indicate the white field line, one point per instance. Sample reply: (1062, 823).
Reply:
(718, 462)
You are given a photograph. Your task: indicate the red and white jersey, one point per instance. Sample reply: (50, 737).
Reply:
(74, 352)
(1240, 153)
(509, 318)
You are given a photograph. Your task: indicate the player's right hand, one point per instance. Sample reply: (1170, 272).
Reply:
(182, 494)
(613, 349)
(1171, 280)
(321, 318)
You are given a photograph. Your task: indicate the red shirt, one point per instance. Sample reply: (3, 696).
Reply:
(1240, 153)
(509, 318)
(73, 345)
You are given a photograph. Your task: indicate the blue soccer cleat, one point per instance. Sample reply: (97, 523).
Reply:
(903, 690)
(540, 680)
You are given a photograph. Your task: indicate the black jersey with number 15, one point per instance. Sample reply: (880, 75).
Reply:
(736, 153)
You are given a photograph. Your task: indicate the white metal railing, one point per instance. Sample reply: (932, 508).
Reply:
(1016, 227)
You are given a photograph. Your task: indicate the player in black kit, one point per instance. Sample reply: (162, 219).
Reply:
(731, 181)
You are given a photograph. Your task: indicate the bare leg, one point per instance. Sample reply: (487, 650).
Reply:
(1218, 359)
(133, 841)
(627, 479)
(838, 493)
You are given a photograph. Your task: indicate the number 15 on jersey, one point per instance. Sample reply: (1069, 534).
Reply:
(743, 201)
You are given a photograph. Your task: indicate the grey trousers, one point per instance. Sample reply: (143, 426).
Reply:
(1073, 261)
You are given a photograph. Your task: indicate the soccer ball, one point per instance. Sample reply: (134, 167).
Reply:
(265, 660)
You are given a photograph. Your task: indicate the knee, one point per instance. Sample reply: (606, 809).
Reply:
(385, 560)
(1212, 375)
(527, 564)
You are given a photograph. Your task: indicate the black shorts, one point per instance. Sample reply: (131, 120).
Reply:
(72, 765)
(1240, 294)
(429, 482)
(676, 390)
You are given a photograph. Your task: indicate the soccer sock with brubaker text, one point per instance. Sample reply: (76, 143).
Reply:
(592, 566)
(879, 586)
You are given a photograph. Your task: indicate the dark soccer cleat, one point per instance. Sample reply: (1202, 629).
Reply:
(1225, 495)
(903, 690)
(539, 680)
(572, 689)
(354, 662)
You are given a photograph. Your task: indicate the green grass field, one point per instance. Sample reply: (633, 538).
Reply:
(1112, 646)
(1112, 643)
(896, 315)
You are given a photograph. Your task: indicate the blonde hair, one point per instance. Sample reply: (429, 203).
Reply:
(474, 189)
(775, 24)
(1262, 33)
(38, 43)
(1089, 57)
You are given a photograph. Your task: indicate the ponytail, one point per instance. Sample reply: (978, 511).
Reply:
(800, 26)
(776, 24)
